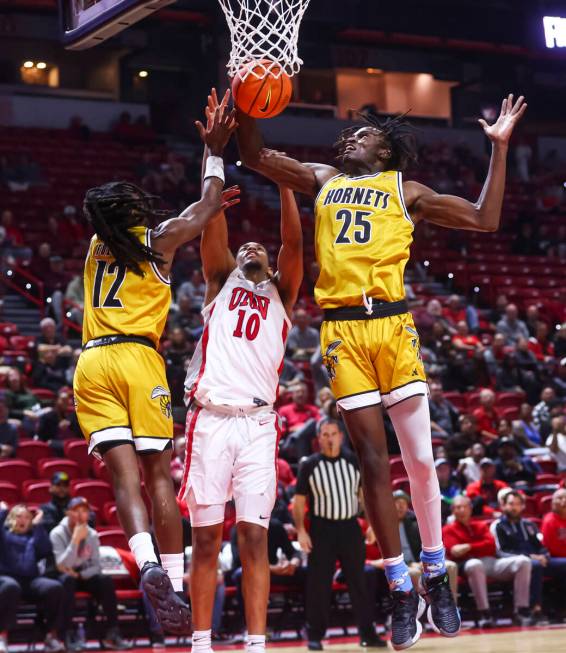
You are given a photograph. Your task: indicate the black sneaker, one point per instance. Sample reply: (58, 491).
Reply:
(372, 640)
(115, 642)
(173, 613)
(408, 607)
(484, 619)
(442, 613)
(523, 617)
(314, 645)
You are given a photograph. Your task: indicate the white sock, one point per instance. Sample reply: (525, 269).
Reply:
(142, 548)
(173, 563)
(202, 642)
(255, 644)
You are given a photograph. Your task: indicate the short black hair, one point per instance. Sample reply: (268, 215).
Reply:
(329, 420)
(399, 135)
(112, 209)
(514, 493)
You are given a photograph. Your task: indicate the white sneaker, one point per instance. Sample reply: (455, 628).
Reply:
(52, 645)
(3, 644)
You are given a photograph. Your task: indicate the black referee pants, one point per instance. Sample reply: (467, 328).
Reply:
(331, 541)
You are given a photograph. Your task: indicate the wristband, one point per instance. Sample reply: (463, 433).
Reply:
(214, 168)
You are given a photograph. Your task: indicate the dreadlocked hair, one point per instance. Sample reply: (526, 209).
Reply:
(112, 209)
(399, 135)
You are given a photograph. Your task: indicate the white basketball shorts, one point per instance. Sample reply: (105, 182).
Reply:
(231, 456)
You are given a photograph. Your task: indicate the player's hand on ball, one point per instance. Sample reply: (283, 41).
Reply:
(230, 197)
(511, 112)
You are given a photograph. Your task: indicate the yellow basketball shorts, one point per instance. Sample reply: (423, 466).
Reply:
(121, 394)
(373, 361)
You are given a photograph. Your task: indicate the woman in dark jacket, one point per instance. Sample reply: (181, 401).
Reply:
(23, 543)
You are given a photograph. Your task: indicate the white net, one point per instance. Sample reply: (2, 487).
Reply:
(264, 33)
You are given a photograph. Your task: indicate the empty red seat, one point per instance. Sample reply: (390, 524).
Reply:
(22, 342)
(77, 450)
(547, 466)
(114, 537)
(10, 493)
(99, 470)
(47, 467)
(531, 507)
(457, 399)
(33, 451)
(110, 513)
(510, 399)
(509, 413)
(44, 395)
(548, 479)
(36, 491)
(15, 471)
(8, 329)
(544, 504)
(3, 343)
(97, 493)
(401, 484)
(397, 468)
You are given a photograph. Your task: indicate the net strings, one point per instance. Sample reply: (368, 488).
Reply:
(264, 30)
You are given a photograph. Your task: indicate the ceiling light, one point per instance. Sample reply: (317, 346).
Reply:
(28, 64)
(143, 73)
(42, 65)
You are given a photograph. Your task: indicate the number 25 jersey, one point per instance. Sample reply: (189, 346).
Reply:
(239, 357)
(363, 235)
(118, 301)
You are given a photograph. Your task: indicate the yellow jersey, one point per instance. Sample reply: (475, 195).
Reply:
(363, 235)
(118, 301)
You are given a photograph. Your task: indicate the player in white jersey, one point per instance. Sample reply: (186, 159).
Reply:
(232, 429)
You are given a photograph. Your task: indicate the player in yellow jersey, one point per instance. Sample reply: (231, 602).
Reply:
(365, 215)
(123, 402)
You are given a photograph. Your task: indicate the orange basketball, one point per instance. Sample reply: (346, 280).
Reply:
(265, 97)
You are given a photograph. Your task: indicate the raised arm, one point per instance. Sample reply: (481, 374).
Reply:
(290, 260)
(449, 211)
(306, 178)
(172, 233)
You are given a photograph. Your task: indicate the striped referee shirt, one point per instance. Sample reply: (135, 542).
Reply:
(331, 484)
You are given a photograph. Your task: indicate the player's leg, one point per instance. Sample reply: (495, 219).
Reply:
(206, 523)
(349, 350)
(404, 394)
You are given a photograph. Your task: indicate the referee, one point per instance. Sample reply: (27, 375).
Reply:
(331, 481)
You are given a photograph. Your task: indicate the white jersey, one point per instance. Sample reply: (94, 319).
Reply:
(240, 354)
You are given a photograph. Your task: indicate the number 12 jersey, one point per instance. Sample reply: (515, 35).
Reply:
(240, 354)
(120, 302)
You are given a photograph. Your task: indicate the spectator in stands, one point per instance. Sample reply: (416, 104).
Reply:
(512, 467)
(471, 545)
(56, 509)
(290, 374)
(40, 261)
(49, 370)
(449, 486)
(554, 525)
(517, 536)
(61, 242)
(485, 491)
(48, 334)
(411, 544)
(487, 417)
(466, 341)
(184, 316)
(75, 293)
(178, 461)
(540, 344)
(8, 433)
(443, 414)
(335, 534)
(524, 429)
(55, 281)
(194, 288)
(511, 326)
(176, 353)
(497, 313)
(469, 468)
(556, 442)
(72, 228)
(23, 543)
(541, 412)
(495, 353)
(59, 423)
(528, 369)
(76, 548)
(17, 397)
(559, 380)
(22, 173)
(299, 423)
(461, 442)
(14, 235)
(303, 340)
(532, 316)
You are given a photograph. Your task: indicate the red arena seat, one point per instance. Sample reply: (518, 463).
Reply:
(22, 342)
(77, 450)
(99, 470)
(47, 467)
(36, 491)
(8, 329)
(110, 512)
(546, 465)
(114, 537)
(544, 504)
(15, 471)
(10, 493)
(97, 493)
(397, 468)
(401, 484)
(33, 451)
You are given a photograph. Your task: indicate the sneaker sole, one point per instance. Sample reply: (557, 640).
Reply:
(420, 611)
(438, 630)
(174, 618)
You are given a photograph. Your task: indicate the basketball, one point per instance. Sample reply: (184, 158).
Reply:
(264, 97)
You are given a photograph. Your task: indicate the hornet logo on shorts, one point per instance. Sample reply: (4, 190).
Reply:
(330, 360)
(415, 342)
(164, 399)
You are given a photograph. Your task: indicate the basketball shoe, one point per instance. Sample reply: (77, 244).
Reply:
(442, 613)
(408, 607)
(173, 613)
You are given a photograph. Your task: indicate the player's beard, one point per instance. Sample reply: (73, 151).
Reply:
(252, 266)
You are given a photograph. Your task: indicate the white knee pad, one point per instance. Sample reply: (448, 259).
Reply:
(204, 515)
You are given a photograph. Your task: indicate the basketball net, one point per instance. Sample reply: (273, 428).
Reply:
(264, 33)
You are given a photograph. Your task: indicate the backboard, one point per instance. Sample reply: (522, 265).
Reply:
(86, 23)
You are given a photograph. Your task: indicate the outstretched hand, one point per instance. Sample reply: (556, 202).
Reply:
(230, 197)
(220, 125)
(501, 130)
